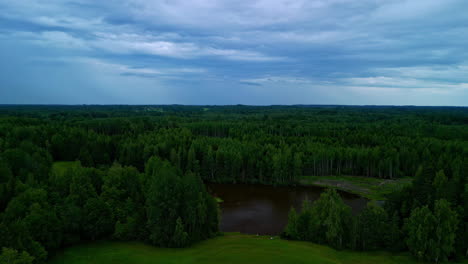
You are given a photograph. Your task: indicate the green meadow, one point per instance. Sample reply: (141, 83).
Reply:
(369, 187)
(230, 248)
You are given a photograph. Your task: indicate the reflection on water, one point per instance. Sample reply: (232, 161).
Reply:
(261, 209)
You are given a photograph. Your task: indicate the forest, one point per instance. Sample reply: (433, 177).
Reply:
(138, 174)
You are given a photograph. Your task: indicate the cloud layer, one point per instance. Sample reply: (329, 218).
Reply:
(229, 52)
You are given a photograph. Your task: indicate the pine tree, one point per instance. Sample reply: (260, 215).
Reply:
(208, 165)
(192, 162)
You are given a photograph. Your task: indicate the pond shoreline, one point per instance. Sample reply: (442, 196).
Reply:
(263, 209)
(367, 187)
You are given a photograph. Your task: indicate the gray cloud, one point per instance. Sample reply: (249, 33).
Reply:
(320, 51)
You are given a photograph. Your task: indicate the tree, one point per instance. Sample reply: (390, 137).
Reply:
(44, 225)
(445, 231)
(209, 164)
(126, 230)
(211, 226)
(81, 187)
(440, 185)
(17, 236)
(11, 256)
(71, 216)
(179, 210)
(174, 157)
(327, 221)
(180, 237)
(6, 177)
(424, 193)
(162, 202)
(304, 229)
(393, 235)
(121, 190)
(372, 227)
(98, 219)
(296, 167)
(462, 234)
(291, 228)
(85, 157)
(432, 236)
(420, 227)
(33, 212)
(332, 219)
(192, 162)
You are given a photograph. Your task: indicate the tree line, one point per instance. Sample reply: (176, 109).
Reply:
(161, 206)
(429, 218)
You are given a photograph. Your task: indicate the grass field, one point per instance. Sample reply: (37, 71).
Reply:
(60, 167)
(371, 188)
(230, 248)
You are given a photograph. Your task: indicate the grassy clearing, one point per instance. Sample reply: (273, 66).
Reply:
(60, 167)
(231, 248)
(372, 188)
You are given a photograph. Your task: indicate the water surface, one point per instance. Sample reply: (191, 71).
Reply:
(262, 209)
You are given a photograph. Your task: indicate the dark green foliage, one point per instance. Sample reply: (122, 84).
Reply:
(162, 202)
(36, 222)
(393, 237)
(7, 183)
(45, 207)
(177, 206)
(445, 231)
(304, 225)
(327, 221)
(440, 185)
(374, 229)
(122, 191)
(331, 219)
(11, 256)
(17, 236)
(180, 237)
(98, 219)
(432, 232)
(431, 236)
(126, 229)
(432, 193)
(291, 230)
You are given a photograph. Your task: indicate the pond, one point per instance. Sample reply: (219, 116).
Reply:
(263, 209)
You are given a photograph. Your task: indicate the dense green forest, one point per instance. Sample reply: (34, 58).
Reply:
(140, 170)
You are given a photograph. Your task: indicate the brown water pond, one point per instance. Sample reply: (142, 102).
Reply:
(263, 209)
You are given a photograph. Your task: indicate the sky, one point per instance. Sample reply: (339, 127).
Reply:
(257, 52)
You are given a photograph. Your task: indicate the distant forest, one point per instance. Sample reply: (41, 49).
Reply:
(140, 170)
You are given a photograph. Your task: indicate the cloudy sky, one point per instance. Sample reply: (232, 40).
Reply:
(403, 52)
